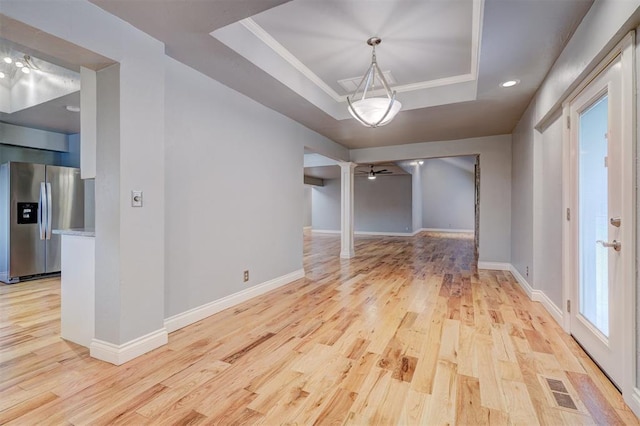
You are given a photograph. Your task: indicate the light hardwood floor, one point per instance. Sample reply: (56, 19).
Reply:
(408, 332)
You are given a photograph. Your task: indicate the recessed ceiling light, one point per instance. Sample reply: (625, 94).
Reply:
(72, 108)
(8, 60)
(2, 75)
(19, 64)
(26, 70)
(509, 83)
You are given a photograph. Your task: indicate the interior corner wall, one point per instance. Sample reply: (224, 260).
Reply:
(380, 205)
(383, 204)
(495, 182)
(637, 383)
(448, 200)
(135, 244)
(325, 206)
(534, 161)
(233, 191)
(416, 198)
(547, 225)
(522, 195)
(307, 207)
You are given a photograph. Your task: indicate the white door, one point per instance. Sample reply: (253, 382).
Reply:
(597, 290)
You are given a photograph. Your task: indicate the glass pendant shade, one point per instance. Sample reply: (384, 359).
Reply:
(372, 110)
(369, 110)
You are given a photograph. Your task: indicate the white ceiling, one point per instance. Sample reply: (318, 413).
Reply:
(39, 99)
(423, 41)
(518, 39)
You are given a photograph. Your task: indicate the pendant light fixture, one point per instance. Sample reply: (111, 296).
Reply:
(368, 110)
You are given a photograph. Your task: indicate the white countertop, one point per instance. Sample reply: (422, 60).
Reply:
(78, 232)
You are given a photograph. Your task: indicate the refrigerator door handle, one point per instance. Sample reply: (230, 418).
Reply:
(42, 210)
(49, 210)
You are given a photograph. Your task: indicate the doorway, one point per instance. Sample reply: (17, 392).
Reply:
(600, 219)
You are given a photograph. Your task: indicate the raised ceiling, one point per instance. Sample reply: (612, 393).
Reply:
(424, 41)
(39, 99)
(312, 49)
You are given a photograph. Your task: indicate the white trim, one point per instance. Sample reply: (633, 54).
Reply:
(538, 296)
(291, 59)
(477, 16)
(629, 232)
(626, 50)
(567, 225)
(447, 230)
(633, 401)
(533, 294)
(119, 354)
(191, 316)
(494, 266)
(384, 234)
(368, 233)
(552, 308)
(324, 231)
(523, 282)
(306, 228)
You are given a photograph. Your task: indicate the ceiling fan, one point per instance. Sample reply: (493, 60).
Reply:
(371, 174)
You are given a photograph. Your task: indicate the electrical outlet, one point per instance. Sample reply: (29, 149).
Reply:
(246, 276)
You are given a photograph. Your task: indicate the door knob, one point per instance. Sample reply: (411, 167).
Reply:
(614, 245)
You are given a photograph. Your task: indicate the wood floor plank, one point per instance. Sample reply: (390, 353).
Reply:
(407, 332)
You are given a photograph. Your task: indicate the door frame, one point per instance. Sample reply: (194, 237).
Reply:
(626, 50)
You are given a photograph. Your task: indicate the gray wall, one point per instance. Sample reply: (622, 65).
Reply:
(306, 207)
(130, 247)
(536, 159)
(383, 204)
(547, 260)
(325, 206)
(495, 182)
(522, 196)
(223, 217)
(448, 193)
(380, 205)
(416, 196)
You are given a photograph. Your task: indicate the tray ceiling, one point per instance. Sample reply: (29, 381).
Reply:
(423, 41)
(311, 47)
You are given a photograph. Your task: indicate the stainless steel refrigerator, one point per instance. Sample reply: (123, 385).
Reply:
(35, 199)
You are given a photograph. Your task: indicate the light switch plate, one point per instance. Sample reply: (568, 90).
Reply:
(136, 198)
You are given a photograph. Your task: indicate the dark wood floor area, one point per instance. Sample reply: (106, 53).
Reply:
(407, 332)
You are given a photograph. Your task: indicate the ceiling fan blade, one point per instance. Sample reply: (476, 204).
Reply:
(383, 171)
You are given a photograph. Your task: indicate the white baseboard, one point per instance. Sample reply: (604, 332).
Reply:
(633, 401)
(534, 295)
(494, 266)
(538, 296)
(446, 230)
(522, 281)
(365, 233)
(119, 354)
(552, 308)
(306, 228)
(384, 234)
(191, 316)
